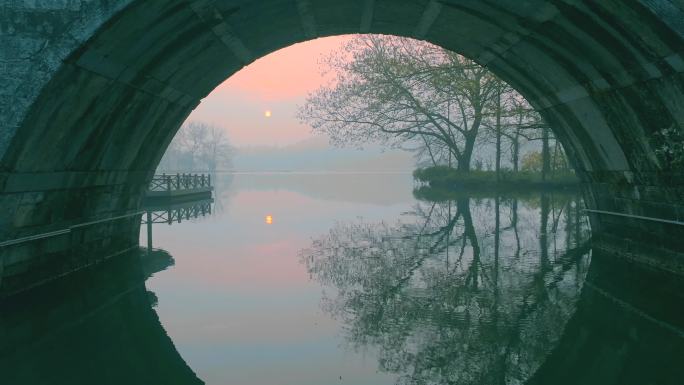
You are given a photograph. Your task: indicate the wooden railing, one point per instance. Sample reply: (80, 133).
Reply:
(175, 182)
(177, 213)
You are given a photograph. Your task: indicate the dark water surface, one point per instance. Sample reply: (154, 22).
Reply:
(349, 279)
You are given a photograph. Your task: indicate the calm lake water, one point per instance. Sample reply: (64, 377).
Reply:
(319, 279)
(297, 279)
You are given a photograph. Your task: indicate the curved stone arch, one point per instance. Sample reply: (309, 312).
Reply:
(606, 74)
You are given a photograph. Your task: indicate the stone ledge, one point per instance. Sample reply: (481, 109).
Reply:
(66, 180)
(662, 259)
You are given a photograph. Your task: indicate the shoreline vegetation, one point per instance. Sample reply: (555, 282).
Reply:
(437, 194)
(442, 180)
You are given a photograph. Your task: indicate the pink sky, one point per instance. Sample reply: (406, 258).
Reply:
(278, 82)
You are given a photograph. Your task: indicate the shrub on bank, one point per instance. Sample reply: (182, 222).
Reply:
(446, 177)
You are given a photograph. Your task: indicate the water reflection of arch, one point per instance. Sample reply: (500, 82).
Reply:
(628, 329)
(96, 327)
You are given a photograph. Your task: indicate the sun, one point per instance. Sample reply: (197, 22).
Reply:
(267, 113)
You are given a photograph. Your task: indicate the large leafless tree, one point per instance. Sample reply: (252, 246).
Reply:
(407, 93)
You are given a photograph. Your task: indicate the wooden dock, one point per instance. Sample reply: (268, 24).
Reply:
(174, 198)
(179, 187)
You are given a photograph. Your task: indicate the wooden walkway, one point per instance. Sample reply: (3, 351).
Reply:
(179, 185)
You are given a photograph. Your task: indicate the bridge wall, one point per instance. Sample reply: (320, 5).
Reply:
(93, 91)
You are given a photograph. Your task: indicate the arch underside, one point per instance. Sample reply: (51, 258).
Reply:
(606, 75)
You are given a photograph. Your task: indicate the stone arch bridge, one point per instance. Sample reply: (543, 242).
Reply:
(88, 88)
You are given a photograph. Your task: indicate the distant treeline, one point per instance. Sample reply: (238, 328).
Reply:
(196, 147)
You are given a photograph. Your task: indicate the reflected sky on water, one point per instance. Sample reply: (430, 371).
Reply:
(351, 279)
(301, 279)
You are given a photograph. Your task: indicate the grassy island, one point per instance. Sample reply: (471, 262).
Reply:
(443, 177)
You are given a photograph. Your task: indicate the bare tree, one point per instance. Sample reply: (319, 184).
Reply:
(417, 96)
(197, 146)
(397, 91)
(216, 148)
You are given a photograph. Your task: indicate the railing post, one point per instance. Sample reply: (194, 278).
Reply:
(149, 232)
(177, 180)
(209, 180)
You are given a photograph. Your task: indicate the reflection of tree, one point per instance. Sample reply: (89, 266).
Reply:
(445, 301)
(223, 191)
